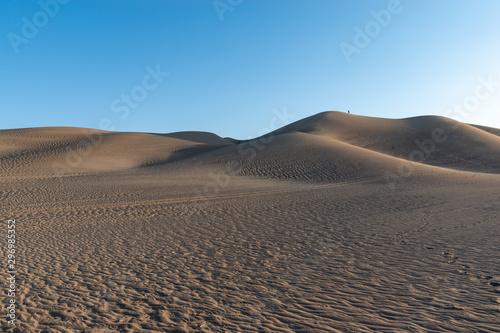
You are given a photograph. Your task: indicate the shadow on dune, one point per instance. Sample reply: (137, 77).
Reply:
(183, 153)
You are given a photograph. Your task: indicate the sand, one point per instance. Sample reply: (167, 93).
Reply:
(322, 226)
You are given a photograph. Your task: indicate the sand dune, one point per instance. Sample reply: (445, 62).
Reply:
(307, 157)
(491, 130)
(46, 151)
(327, 145)
(399, 137)
(297, 231)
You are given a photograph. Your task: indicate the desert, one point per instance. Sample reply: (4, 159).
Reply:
(333, 223)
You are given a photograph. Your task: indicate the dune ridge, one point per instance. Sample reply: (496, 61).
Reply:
(346, 144)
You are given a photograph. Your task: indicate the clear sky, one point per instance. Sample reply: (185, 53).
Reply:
(228, 66)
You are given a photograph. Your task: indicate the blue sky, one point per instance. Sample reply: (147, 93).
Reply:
(233, 65)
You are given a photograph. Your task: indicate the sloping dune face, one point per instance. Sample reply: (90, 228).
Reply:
(306, 157)
(335, 146)
(53, 150)
(491, 130)
(431, 140)
(329, 146)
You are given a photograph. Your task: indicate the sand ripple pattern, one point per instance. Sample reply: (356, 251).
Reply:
(285, 258)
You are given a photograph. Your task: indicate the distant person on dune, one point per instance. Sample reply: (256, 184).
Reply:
(348, 111)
